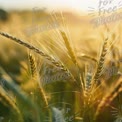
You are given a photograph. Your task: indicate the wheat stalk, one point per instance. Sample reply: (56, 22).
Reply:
(88, 57)
(10, 103)
(35, 49)
(20, 94)
(108, 98)
(35, 75)
(43, 96)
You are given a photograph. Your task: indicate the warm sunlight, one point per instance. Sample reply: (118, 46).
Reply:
(60, 61)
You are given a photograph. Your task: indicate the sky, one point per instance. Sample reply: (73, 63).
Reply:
(74, 5)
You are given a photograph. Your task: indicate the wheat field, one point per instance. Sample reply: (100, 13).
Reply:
(58, 67)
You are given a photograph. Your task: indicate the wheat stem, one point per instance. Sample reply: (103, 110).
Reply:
(108, 98)
(9, 102)
(20, 94)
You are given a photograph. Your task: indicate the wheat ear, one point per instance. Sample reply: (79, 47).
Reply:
(68, 46)
(32, 65)
(35, 49)
(35, 75)
(101, 61)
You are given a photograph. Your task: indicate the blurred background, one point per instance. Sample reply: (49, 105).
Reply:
(30, 19)
(37, 22)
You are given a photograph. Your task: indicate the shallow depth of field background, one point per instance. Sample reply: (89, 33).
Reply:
(86, 39)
